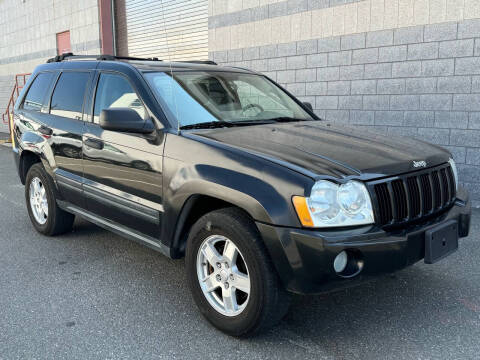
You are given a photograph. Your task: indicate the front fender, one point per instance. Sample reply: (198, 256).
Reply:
(257, 197)
(244, 191)
(261, 188)
(199, 183)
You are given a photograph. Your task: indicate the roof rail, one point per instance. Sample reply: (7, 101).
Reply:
(206, 62)
(60, 58)
(243, 68)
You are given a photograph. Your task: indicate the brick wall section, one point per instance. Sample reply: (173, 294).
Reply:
(421, 81)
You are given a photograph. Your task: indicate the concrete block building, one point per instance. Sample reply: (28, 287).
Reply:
(31, 31)
(399, 67)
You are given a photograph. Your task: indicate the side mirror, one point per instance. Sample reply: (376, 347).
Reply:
(308, 105)
(125, 120)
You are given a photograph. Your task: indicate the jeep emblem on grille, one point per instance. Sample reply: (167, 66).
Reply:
(417, 164)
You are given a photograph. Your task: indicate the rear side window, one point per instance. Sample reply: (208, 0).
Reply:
(36, 95)
(114, 91)
(67, 98)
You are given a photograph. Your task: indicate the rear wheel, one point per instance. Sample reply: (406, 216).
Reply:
(46, 216)
(232, 279)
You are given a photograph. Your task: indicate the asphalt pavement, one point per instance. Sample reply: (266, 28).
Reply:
(91, 294)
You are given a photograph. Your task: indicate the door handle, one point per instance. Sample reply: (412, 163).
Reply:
(45, 130)
(94, 143)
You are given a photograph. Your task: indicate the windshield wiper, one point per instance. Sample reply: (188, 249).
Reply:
(286, 119)
(222, 123)
(251, 122)
(207, 125)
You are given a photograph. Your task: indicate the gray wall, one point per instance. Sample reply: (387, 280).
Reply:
(421, 81)
(28, 35)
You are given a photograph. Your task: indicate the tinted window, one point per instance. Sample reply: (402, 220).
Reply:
(114, 91)
(67, 98)
(36, 95)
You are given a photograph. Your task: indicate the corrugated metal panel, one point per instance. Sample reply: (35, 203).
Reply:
(167, 29)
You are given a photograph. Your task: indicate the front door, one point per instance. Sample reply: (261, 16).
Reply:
(123, 171)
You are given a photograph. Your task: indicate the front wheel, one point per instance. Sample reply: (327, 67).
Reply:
(232, 279)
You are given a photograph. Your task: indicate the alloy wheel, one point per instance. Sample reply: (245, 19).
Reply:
(223, 275)
(38, 201)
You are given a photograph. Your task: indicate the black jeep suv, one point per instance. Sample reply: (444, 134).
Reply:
(222, 166)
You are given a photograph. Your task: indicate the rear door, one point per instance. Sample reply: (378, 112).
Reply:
(123, 171)
(33, 112)
(65, 128)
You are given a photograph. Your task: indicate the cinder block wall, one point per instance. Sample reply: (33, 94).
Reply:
(28, 35)
(399, 67)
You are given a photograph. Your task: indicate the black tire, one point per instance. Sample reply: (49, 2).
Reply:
(268, 302)
(58, 220)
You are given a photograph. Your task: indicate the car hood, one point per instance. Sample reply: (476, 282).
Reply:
(324, 149)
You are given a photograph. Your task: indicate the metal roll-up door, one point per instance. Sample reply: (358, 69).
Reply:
(167, 29)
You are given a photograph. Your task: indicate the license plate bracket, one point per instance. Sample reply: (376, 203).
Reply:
(441, 241)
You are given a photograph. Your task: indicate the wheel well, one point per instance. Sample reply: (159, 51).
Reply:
(194, 209)
(26, 161)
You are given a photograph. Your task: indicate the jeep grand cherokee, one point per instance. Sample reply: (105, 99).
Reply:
(222, 166)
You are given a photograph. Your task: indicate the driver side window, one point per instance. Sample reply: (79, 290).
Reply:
(114, 91)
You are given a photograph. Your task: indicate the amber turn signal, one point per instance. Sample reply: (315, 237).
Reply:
(301, 207)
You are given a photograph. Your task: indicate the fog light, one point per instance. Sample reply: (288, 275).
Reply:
(340, 262)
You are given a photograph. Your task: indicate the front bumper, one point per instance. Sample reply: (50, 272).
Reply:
(304, 258)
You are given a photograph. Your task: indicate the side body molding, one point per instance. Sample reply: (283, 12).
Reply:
(118, 202)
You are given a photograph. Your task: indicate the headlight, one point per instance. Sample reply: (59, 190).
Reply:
(455, 172)
(331, 205)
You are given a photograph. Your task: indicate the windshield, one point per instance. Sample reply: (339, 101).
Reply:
(200, 97)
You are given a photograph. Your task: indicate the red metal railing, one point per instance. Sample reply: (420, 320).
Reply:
(20, 81)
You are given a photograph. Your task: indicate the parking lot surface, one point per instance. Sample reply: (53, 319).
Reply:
(92, 294)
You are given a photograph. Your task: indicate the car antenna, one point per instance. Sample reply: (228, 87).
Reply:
(170, 65)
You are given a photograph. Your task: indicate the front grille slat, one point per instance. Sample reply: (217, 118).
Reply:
(414, 196)
(407, 199)
(451, 180)
(426, 193)
(437, 191)
(445, 189)
(400, 197)
(420, 190)
(383, 198)
(393, 201)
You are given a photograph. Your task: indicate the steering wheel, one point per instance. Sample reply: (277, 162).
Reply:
(251, 106)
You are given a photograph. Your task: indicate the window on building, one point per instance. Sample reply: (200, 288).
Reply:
(114, 91)
(63, 43)
(67, 98)
(35, 98)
